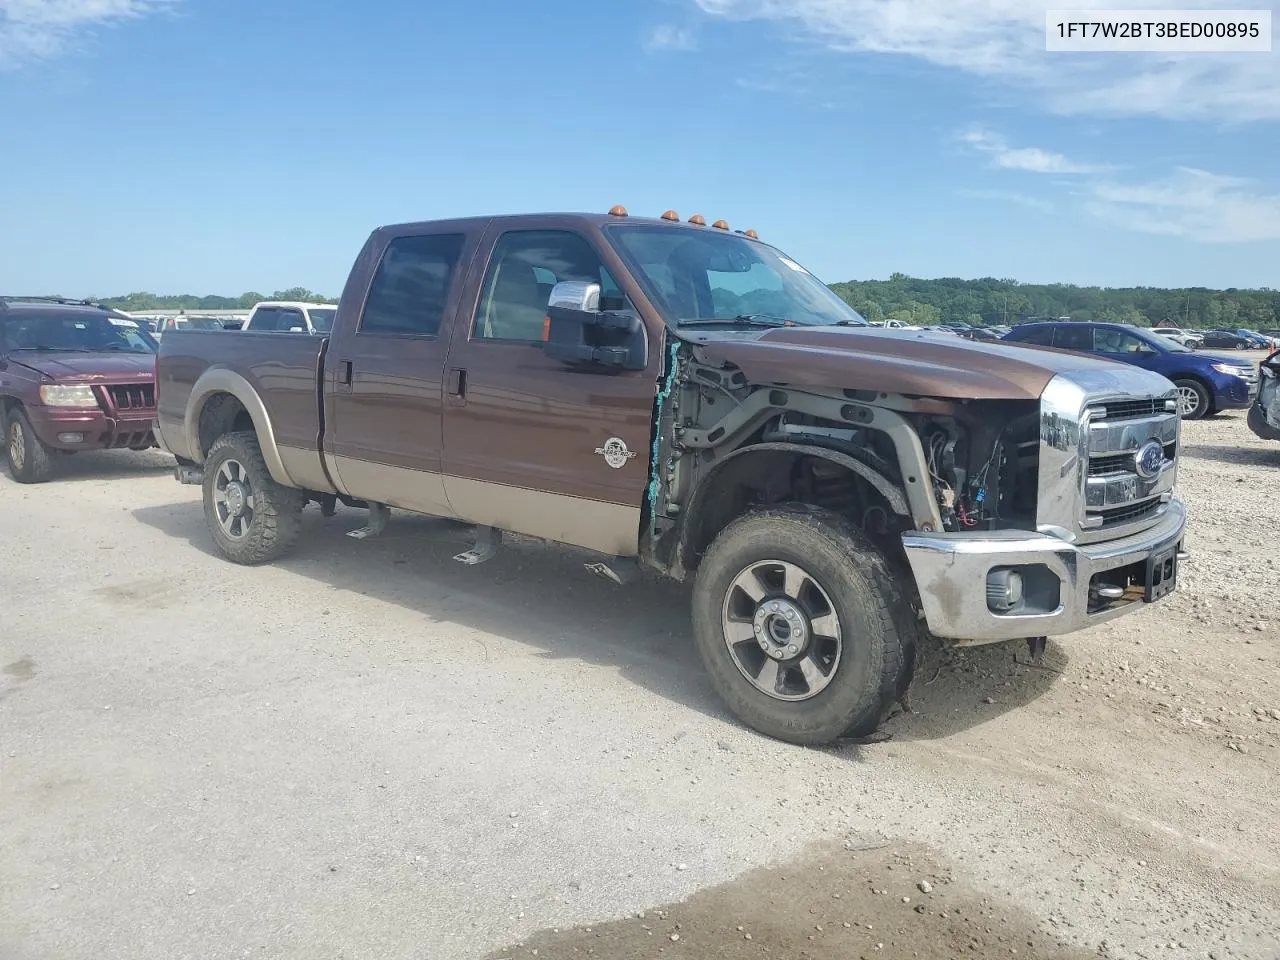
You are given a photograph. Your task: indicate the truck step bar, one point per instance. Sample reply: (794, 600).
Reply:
(379, 513)
(485, 546)
(619, 570)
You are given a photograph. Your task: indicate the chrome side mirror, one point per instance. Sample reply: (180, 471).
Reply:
(579, 295)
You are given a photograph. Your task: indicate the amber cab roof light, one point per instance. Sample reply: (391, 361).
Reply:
(698, 219)
(753, 235)
(671, 215)
(618, 211)
(721, 225)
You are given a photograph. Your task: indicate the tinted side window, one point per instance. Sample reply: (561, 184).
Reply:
(267, 319)
(290, 318)
(1074, 338)
(1041, 336)
(409, 290)
(526, 264)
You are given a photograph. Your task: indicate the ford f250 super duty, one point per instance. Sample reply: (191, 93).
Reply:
(686, 398)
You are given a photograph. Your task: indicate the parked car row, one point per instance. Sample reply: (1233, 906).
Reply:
(1240, 339)
(1207, 383)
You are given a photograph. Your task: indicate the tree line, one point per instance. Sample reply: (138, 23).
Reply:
(988, 302)
(142, 302)
(983, 302)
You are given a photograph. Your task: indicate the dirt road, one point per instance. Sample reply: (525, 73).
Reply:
(369, 751)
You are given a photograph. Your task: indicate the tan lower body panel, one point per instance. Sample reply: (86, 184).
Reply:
(414, 490)
(304, 469)
(612, 528)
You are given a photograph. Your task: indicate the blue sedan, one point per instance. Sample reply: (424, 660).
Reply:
(1206, 382)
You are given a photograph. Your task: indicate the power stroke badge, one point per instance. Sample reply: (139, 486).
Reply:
(615, 452)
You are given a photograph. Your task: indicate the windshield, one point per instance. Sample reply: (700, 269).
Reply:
(710, 275)
(74, 333)
(322, 320)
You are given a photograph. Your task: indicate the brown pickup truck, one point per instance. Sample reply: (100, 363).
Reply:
(686, 398)
(74, 376)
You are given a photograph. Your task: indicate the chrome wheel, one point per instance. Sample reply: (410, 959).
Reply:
(233, 499)
(781, 630)
(17, 446)
(1188, 401)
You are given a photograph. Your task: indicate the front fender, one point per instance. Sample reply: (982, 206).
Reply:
(221, 380)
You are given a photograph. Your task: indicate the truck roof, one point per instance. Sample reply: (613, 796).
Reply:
(669, 219)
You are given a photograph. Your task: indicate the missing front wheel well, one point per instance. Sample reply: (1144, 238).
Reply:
(784, 473)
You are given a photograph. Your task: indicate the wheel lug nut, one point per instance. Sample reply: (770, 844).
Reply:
(791, 649)
(773, 606)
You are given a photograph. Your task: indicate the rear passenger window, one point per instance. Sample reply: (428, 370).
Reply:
(1074, 338)
(1040, 336)
(409, 290)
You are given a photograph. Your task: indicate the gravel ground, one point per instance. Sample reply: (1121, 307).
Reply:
(369, 751)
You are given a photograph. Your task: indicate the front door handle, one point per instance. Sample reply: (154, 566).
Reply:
(456, 385)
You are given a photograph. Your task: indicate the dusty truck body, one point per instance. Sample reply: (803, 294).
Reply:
(685, 398)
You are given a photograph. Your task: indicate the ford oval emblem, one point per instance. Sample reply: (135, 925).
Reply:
(1149, 459)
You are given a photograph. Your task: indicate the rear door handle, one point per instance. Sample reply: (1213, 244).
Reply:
(456, 385)
(344, 372)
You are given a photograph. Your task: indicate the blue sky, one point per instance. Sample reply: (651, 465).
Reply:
(219, 146)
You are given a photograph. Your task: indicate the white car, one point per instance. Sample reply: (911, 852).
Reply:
(285, 316)
(1186, 338)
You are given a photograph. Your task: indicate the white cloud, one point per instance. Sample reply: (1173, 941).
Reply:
(668, 37)
(1031, 159)
(1189, 203)
(40, 29)
(1007, 196)
(1004, 40)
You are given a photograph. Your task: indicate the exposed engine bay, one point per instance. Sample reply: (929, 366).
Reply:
(888, 462)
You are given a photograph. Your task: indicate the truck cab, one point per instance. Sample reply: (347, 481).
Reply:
(281, 316)
(685, 398)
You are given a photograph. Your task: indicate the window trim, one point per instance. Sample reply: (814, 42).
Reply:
(473, 323)
(454, 285)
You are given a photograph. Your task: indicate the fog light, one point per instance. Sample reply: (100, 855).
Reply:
(1004, 589)
(71, 438)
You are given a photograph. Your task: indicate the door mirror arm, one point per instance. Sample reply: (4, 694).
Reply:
(581, 335)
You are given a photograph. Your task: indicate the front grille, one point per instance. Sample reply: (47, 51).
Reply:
(1132, 513)
(1115, 495)
(1132, 409)
(1102, 466)
(132, 396)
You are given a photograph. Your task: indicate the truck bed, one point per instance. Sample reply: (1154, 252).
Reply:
(283, 370)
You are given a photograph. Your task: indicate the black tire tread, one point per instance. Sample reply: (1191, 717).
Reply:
(278, 509)
(892, 657)
(38, 466)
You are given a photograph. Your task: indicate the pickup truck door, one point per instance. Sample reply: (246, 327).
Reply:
(385, 362)
(524, 436)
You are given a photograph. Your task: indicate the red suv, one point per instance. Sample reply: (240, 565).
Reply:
(73, 376)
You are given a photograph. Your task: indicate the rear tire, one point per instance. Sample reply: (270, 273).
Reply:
(29, 460)
(252, 518)
(1193, 399)
(855, 650)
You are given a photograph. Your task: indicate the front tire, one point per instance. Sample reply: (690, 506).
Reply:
(1193, 399)
(29, 460)
(252, 518)
(800, 625)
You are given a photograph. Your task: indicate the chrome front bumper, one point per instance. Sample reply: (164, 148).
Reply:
(951, 576)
